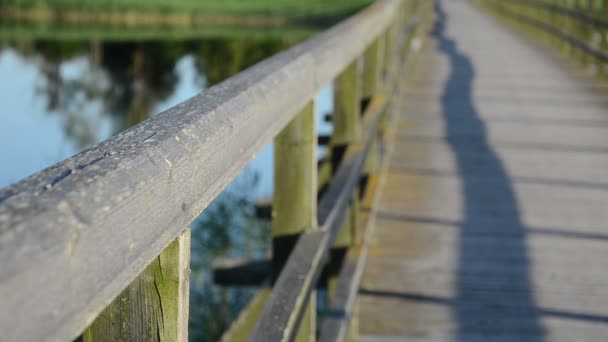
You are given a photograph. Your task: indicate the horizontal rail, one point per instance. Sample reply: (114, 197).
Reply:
(86, 227)
(284, 309)
(281, 315)
(554, 30)
(563, 10)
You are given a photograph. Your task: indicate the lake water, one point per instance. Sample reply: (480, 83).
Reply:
(60, 97)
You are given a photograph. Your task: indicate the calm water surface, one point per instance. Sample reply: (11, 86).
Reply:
(60, 97)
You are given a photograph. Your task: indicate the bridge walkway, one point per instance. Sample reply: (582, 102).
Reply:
(492, 224)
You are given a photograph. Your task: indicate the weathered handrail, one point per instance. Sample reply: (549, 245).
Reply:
(561, 9)
(563, 32)
(73, 236)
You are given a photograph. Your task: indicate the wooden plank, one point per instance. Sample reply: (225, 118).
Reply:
(289, 300)
(228, 272)
(323, 139)
(155, 306)
(134, 191)
(456, 258)
(263, 208)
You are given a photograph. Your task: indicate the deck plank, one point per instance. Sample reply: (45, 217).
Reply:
(493, 224)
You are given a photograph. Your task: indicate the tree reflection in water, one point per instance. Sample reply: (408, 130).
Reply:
(130, 79)
(228, 228)
(127, 81)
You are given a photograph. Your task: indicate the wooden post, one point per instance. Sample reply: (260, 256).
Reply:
(372, 70)
(347, 131)
(347, 114)
(389, 41)
(372, 162)
(295, 198)
(155, 306)
(603, 65)
(347, 121)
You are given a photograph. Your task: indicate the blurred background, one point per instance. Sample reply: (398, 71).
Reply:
(75, 72)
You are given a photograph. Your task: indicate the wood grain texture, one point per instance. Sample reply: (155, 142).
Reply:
(155, 306)
(347, 113)
(570, 36)
(291, 292)
(294, 205)
(295, 195)
(347, 129)
(342, 323)
(373, 66)
(88, 226)
(491, 226)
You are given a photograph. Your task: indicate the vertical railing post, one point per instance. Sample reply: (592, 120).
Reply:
(347, 115)
(347, 131)
(603, 65)
(562, 22)
(389, 46)
(571, 27)
(155, 306)
(383, 69)
(372, 69)
(587, 31)
(295, 198)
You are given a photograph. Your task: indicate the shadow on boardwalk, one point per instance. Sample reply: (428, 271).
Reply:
(487, 263)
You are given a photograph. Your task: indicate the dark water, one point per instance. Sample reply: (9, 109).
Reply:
(60, 97)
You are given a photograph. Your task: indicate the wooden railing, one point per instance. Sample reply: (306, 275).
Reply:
(98, 243)
(578, 28)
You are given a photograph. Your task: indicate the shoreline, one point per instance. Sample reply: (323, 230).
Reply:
(131, 18)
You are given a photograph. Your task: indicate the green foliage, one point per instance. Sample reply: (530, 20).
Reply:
(220, 59)
(234, 7)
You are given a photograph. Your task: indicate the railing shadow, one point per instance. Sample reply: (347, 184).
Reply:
(503, 263)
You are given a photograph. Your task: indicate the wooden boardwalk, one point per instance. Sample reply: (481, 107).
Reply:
(493, 221)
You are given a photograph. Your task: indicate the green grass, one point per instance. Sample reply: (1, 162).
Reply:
(224, 7)
(84, 33)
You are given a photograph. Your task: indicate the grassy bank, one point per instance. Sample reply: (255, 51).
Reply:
(288, 8)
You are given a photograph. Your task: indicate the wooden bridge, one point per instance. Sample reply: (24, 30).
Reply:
(492, 221)
(463, 197)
